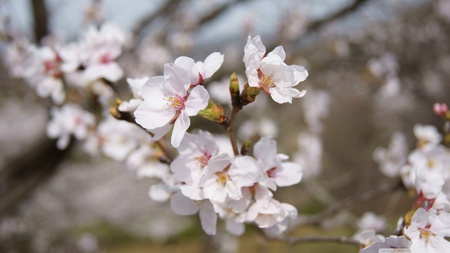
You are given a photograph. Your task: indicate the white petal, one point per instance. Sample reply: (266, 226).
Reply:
(278, 51)
(182, 205)
(197, 100)
(234, 227)
(208, 218)
(212, 64)
(179, 129)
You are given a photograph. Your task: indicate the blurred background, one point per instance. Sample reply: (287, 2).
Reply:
(376, 67)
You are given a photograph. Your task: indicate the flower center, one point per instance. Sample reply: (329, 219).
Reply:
(222, 179)
(176, 102)
(425, 233)
(266, 82)
(203, 160)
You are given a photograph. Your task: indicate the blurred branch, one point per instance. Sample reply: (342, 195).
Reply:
(351, 201)
(40, 16)
(23, 175)
(213, 14)
(169, 7)
(318, 24)
(310, 239)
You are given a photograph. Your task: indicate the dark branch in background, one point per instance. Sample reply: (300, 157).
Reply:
(40, 17)
(168, 8)
(351, 201)
(310, 239)
(318, 24)
(23, 175)
(215, 13)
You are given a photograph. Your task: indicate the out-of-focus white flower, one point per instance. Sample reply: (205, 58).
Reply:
(427, 231)
(270, 73)
(391, 159)
(368, 237)
(315, 109)
(167, 102)
(372, 221)
(44, 73)
(391, 242)
(69, 120)
(116, 139)
(309, 154)
(258, 127)
(427, 136)
(267, 214)
(136, 87)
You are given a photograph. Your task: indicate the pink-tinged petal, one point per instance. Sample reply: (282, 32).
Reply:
(212, 63)
(278, 51)
(179, 129)
(176, 79)
(288, 174)
(197, 100)
(208, 218)
(148, 90)
(235, 228)
(188, 64)
(218, 163)
(182, 205)
(244, 171)
(152, 114)
(160, 131)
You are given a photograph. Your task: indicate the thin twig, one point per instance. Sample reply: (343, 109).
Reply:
(230, 129)
(353, 200)
(310, 239)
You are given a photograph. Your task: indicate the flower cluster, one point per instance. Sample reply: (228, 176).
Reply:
(426, 172)
(194, 172)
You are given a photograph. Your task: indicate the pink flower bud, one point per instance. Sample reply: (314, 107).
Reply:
(440, 109)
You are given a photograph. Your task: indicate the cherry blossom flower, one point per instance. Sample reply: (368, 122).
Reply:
(372, 221)
(427, 231)
(275, 172)
(69, 120)
(427, 136)
(167, 102)
(44, 73)
(267, 214)
(225, 178)
(391, 159)
(199, 71)
(195, 151)
(270, 73)
(116, 139)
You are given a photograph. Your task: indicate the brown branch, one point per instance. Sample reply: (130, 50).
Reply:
(23, 175)
(230, 129)
(40, 17)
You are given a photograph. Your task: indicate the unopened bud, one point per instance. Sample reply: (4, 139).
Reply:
(440, 109)
(246, 147)
(234, 85)
(214, 113)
